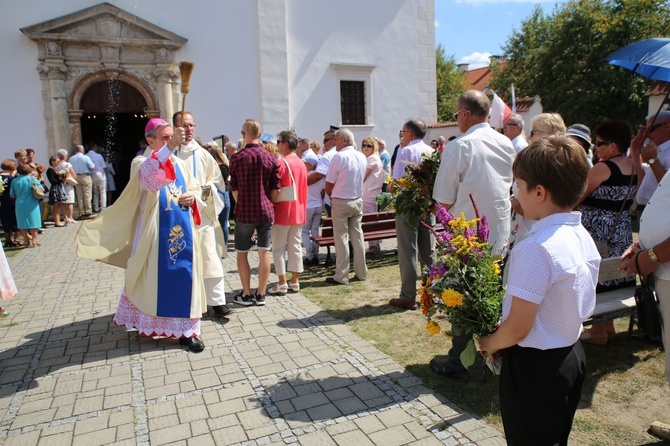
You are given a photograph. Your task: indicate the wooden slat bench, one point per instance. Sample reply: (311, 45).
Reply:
(376, 226)
(616, 303)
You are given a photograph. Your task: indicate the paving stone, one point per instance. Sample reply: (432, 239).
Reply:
(369, 424)
(170, 434)
(394, 417)
(350, 405)
(354, 437)
(318, 438)
(229, 435)
(97, 438)
(394, 436)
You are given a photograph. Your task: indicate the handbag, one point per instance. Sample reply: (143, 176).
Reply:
(287, 193)
(38, 192)
(71, 181)
(603, 246)
(648, 314)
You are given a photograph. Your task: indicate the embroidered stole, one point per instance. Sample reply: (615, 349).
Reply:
(175, 252)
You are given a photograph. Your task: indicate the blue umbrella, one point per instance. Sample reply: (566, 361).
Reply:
(649, 58)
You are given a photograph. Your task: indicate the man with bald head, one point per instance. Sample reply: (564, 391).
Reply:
(479, 163)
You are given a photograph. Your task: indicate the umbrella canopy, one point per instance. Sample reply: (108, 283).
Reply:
(649, 58)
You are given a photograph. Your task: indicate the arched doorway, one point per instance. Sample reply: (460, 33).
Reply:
(113, 117)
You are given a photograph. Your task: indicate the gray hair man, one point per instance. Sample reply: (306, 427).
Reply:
(84, 168)
(513, 129)
(479, 163)
(99, 178)
(344, 186)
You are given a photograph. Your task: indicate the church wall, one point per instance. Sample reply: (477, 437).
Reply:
(223, 42)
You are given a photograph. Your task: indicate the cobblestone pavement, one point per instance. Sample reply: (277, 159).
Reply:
(285, 373)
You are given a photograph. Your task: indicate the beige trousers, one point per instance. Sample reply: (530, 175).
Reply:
(347, 221)
(84, 192)
(663, 293)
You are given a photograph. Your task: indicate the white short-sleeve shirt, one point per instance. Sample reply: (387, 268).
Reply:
(655, 222)
(649, 183)
(322, 167)
(479, 163)
(346, 171)
(556, 267)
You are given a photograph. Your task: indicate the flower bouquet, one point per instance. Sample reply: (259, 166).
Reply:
(414, 192)
(464, 283)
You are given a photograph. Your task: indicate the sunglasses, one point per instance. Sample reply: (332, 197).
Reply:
(327, 139)
(534, 132)
(602, 143)
(368, 145)
(653, 128)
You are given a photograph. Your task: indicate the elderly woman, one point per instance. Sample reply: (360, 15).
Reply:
(542, 125)
(372, 182)
(610, 190)
(65, 170)
(289, 216)
(7, 209)
(57, 194)
(27, 206)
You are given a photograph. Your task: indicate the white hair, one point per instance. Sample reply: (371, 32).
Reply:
(346, 134)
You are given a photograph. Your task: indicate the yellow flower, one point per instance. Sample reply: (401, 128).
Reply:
(433, 328)
(452, 298)
(496, 269)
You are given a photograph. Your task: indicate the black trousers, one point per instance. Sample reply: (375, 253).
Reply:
(539, 393)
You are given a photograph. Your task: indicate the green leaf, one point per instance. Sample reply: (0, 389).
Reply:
(469, 355)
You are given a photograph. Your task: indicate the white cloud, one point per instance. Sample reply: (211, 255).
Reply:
(437, 24)
(479, 2)
(476, 60)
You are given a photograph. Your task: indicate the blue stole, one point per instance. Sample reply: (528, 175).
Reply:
(175, 252)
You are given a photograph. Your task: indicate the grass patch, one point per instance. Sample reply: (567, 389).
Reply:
(624, 389)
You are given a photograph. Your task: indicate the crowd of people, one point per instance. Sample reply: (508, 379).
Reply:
(276, 189)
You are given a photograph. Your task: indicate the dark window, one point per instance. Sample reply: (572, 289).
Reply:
(352, 102)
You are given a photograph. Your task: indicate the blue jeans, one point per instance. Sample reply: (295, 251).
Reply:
(224, 216)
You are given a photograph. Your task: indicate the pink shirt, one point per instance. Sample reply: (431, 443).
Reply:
(291, 213)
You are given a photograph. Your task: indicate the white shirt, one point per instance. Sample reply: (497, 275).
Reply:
(412, 153)
(322, 167)
(372, 186)
(346, 171)
(82, 164)
(655, 222)
(314, 199)
(519, 143)
(98, 161)
(649, 183)
(556, 267)
(479, 163)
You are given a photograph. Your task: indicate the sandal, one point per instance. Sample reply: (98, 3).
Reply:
(279, 289)
(295, 287)
(5, 314)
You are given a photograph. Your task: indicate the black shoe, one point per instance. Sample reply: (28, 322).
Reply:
(442, 368)
(221, 310)
(259, 299)
(241, 299)
(194, 344)
(331, 281)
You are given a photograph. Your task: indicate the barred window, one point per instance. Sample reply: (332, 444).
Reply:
(352, 102)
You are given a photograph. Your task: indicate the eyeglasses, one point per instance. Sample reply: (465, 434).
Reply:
(534, 132)
(511, 125)
(601, 143)
(327, 139)
(188, 126)
(279, 141)
(653, 128)
(368, 145)
(459, 111)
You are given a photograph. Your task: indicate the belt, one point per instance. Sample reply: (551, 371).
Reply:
(83, 174)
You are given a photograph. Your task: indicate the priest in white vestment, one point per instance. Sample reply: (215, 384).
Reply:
(151, 231)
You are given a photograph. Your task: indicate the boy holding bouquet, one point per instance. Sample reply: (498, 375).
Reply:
(550, 291)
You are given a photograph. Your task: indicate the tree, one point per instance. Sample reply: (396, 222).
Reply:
(560, 57)
(450, 84)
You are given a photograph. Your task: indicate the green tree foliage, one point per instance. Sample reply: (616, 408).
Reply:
(450, 84)
(560, 57)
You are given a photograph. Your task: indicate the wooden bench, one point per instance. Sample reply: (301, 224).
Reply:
(616, 303)
(376, 226)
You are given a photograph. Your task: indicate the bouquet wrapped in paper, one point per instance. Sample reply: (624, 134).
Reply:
(464, 283)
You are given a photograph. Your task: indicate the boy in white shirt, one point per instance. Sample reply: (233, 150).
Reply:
(553, 274)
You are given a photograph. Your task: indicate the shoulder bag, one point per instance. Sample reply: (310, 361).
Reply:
(287, 193)
(648, 313)
(38, 192)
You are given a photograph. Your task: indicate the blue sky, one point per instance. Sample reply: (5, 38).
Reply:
(472, 30)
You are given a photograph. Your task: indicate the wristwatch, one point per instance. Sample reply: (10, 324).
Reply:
(651, 161)
(652, 255)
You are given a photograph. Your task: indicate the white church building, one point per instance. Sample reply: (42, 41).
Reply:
(81, 71)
